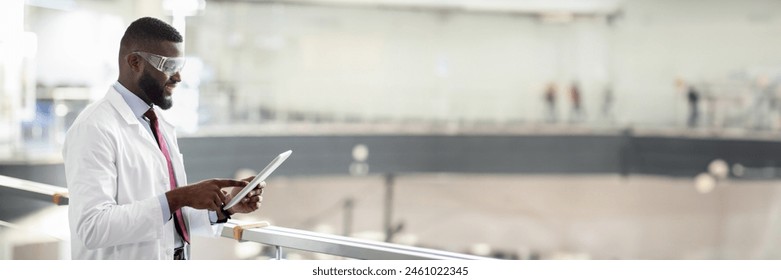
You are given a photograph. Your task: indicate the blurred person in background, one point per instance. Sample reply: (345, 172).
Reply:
(693, 97)
(576, 113)
(763, 103)
(550, 102)
(607, 104)
(129, 197)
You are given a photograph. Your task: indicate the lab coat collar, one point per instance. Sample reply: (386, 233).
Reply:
(138, 106)
(126, 112)
(121, 106)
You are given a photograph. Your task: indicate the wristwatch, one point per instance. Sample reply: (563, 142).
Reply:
(226, 214)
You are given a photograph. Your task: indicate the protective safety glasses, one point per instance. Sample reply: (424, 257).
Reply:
(167, 65)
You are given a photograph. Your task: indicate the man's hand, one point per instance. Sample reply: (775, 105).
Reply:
(249, 203)
(206, 194)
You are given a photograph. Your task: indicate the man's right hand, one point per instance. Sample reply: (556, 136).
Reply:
(205, 194)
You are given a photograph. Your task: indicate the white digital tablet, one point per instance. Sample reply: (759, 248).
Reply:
(259, 178)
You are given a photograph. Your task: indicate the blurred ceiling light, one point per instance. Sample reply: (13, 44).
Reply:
(184, 7)
(65, 5)
(61, 110)
(360, 152)
(704, 183)
(719, 169)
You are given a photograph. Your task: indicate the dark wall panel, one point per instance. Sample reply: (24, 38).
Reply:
(551, 154)
(221, 157)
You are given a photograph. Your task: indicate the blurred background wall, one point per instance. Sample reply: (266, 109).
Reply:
(436, 93)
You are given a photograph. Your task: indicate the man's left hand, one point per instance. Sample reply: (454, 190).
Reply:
(249, 203)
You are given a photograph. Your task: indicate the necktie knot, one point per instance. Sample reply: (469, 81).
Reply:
(151, 115)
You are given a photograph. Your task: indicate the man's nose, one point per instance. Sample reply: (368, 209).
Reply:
(176, 77)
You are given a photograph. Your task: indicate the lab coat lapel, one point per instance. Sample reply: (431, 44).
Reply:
(127, 115)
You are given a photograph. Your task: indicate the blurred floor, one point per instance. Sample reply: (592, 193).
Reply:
(506, 216)
(548, 217)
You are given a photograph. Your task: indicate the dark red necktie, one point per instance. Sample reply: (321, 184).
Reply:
(178, 218)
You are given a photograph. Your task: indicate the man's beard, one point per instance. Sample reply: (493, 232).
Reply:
(154, 91)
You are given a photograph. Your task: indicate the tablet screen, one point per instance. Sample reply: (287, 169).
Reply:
(259, 178)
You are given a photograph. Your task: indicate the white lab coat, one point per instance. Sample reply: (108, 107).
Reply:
(115, 173)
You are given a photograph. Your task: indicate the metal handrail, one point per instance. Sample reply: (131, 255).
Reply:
(339, 245)
(34, 190)
(271, 235)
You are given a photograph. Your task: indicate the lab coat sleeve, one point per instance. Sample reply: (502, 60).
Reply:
(200, 224)
(91, 171)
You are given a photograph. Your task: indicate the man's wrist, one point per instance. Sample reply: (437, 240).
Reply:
(223, 215)
(174, 201)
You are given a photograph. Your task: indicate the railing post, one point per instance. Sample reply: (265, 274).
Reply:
(388, 214)
(279, 252)
(347, 221)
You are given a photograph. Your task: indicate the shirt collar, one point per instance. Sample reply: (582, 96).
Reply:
(138, 106)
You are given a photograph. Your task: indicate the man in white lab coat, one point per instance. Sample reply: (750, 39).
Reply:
(129, 197)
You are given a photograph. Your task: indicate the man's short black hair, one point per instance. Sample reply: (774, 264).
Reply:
(145, 33)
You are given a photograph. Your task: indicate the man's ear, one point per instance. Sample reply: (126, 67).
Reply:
(135, 62)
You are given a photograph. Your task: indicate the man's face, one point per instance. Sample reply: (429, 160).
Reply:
(157, 92)
(156, 85)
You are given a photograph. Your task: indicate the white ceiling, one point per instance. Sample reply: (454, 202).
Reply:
(506, 6)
